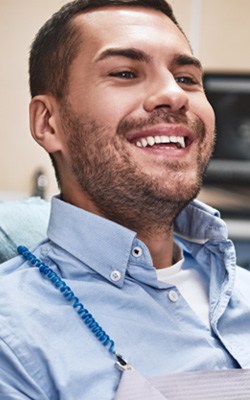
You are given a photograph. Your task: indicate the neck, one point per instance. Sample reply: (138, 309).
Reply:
(161, 247)
(148, 224)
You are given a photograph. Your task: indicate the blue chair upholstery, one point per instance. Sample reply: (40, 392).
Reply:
(22, 222)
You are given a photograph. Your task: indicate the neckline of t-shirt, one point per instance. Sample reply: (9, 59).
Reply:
(169, 271)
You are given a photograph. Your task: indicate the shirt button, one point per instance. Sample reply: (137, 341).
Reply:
(115, 276)
(173, 296)
(137, 251)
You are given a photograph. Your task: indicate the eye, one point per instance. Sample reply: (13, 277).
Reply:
(186, 80)
(124, 74)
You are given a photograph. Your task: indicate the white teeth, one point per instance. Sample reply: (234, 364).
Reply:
(182, 141)
(165, 139)
(151, 140)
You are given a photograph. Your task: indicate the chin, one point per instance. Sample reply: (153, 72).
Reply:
(182, 187)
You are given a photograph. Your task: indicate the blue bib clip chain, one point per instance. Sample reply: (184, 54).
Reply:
(69, 296)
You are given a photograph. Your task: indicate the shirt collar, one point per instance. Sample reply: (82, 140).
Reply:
(101, 244)
(198, 223)
(108, 248)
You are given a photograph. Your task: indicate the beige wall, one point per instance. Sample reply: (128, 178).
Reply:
(20, 156)
(225, 35)
(219, 32)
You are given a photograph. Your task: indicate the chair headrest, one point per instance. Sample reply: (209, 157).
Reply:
(22, 222)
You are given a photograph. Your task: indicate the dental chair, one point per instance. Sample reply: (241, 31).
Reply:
(22, 222)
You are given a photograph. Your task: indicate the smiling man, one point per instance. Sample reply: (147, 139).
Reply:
(118, 103)
(134, 129)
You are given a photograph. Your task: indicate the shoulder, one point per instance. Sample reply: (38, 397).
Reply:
(22, 293)
(22, 326)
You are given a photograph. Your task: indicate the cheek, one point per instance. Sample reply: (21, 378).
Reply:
(204, 111)
(113, 105)
(210, 115)
(109, 112)
(206, 114)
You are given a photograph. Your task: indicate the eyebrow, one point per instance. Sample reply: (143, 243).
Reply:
(140, 55)
(184, 59)
(131, 53)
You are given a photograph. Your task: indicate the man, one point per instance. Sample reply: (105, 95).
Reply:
(118, 103)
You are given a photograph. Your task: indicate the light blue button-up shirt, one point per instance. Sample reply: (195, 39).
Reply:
(46, 350)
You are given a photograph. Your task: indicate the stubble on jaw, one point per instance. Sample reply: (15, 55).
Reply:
(121, 191)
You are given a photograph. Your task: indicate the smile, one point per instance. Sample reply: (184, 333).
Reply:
(149, 141)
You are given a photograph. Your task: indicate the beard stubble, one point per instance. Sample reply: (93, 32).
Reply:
(120, 190)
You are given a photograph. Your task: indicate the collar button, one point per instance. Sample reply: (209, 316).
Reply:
(137, 251)
(115, 276)
(173, 296)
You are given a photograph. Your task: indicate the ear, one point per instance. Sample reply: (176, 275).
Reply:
(44, 123)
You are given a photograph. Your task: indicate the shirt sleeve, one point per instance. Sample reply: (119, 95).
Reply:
(15, 382)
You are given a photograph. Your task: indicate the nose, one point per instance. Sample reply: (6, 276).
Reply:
(166, 93)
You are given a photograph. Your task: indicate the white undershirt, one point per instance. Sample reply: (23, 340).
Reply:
(191, 285)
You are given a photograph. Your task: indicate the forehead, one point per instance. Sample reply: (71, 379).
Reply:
(109, 27)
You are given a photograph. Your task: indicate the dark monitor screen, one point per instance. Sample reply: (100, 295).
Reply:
(229, 95)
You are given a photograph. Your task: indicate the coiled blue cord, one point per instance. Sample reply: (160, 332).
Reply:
(59, 284)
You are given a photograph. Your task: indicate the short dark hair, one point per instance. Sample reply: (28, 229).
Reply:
(58, 41)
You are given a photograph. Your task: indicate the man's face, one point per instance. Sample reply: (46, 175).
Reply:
(136, 121)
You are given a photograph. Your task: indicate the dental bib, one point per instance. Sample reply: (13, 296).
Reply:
(233, 384)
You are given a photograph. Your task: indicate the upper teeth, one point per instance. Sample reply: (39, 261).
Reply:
(151, 140)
